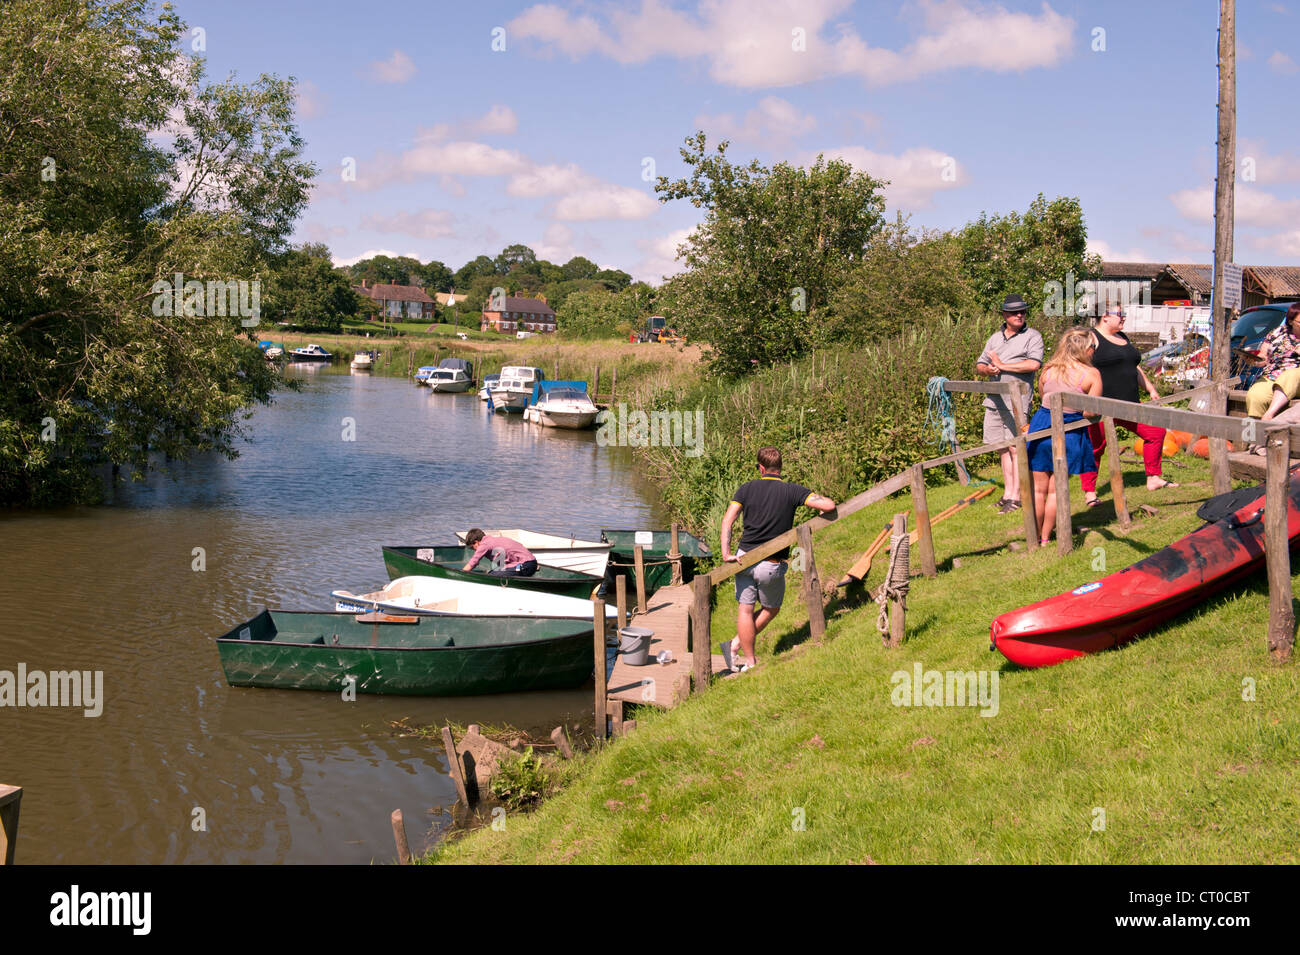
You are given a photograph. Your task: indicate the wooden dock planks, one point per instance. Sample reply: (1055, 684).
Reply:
(663, 685)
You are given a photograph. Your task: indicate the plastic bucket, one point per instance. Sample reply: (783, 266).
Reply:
(634, 645)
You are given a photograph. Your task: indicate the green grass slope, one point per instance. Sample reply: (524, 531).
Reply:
(1147, 754)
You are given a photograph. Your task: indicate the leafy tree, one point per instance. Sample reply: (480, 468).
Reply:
(305, 290)
(615, 279)
(580, 268)
(119, 168)
(436, 277)
(514, 257)
(596, 314)
(1021, 253)
(773, 246)
(481, 266)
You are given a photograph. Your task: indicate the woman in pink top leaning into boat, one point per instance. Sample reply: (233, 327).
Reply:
(1069, 369)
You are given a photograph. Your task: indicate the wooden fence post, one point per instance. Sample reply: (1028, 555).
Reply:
(561, 740)
(1116, 473)
(620, 592)
(399, 836)
(11, 798)
(1277, 545)
(701, 632)
(602, 675)
(925, 540)
(613, 386)
(675, 555)
(812, 585)
(1018, 398)
(1061, 476)
(638, 558)
(897, 613)
(595, 385)
(1027, 493)
(1219, 446)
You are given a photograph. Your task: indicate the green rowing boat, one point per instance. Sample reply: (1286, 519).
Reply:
(414, 656)
(655, 546)
(447, 562)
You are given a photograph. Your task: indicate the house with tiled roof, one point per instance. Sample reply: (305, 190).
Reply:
(1263, 284)
(512, 314)
(398, 301)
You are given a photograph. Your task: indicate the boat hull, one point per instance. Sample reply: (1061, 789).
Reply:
(585, 557)
(655, 546)
(1126, 605)
(575, 420)
(450, 387)
(422, 594)
(430, 656)
(447, 562)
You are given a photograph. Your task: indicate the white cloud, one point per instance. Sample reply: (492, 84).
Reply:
(556, 245)
(549, 180)
(1268, 168)
(499, 120)
(319, 232)
(764, 43)
(1110, 254)
(659, 256)
(915, 175)
(771, 122)
(605, 201)
(1252, 206)
(398, 68)
(1277, 246)
(424, 224)
(1279, 62)
(370, 254)
(309, 100)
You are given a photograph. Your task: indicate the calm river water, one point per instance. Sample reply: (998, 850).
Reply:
(280, 775)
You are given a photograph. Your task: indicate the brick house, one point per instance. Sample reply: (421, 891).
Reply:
(398, 301)
(518, 314)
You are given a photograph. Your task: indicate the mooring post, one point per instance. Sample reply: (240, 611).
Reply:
(1027, 506)
(399, 836)
(897, 613)
(620, 592)
(613, 386)
(561, 740)
(454, 765)
(925, 538)
(812, 585)
(595, 385)
(1116, 474)
(1061, 476)
(701, 629)
(638, 557)
(675, 555)
(602, 675)
(1277, 544)
(11, 798)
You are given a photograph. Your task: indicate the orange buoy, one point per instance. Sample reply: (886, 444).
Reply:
(1184, 438)
(1171, 446)
(1202, 448)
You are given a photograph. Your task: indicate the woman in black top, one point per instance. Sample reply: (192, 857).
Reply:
(1122, 377)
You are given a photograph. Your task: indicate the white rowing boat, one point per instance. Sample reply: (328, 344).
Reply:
(567, 553)
(438, 596)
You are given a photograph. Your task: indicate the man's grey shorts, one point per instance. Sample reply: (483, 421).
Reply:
(999, 425)
(762, 584)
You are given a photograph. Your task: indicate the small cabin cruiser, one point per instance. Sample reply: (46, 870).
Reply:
(309, 353)
(488, 382)
(449, 380)
(423, 372)
(561, 404)
(363, 360)
(511, 392)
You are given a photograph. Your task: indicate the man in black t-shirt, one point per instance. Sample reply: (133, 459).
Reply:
(768, 506)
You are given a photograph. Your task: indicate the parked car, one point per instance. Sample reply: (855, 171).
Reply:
(1249, 333)
(1169, 355)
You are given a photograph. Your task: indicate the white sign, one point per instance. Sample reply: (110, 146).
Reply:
(644, 538)
(1231, 285)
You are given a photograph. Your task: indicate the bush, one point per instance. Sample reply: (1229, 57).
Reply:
(520, 782)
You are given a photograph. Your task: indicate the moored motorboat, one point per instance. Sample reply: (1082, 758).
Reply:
(408, 654)
(443, 596)
(309, 353)
(448, 562)
(422, 374)
(1125, 605)
(655, 548)
(561, 404)
(449, 381)
(570, 553)
(484, 393)
(363, 360)
(510, 393)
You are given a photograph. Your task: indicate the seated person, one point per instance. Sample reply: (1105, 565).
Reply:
(516, 560)
(1280, 382)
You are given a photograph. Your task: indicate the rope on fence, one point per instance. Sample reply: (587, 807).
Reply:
(897, 580)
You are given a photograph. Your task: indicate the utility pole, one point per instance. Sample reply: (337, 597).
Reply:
(1221, 315)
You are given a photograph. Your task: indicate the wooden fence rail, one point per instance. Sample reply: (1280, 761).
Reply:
(11, 798)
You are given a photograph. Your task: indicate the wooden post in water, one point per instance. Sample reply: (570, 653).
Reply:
(595, 385)
(557, 369)
(701, 629)
(454, 765)
(1027, 506)
(561, 740)
(399, 836)
(638, 557)
(613, 386)
(620, 591)
(1061, 476)
(812, 585)
(602, 676)
(675, 555)
(11, 798)
(1277, 546)
(925, 542)
(897, 613)
(1116, 473)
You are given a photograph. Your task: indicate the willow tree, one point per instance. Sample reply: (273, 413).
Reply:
(122, 172)
(773, 246)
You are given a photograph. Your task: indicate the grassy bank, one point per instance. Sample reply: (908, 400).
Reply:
(1156, 735)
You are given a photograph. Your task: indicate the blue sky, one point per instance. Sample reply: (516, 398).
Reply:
(462, 149)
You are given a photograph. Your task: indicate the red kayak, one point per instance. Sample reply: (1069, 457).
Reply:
(1119, 608)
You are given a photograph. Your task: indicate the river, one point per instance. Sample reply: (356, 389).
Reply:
(180, 767)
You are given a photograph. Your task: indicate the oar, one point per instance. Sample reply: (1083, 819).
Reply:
(860, 570)
(953, 509)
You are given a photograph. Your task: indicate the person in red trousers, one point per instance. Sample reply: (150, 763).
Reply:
(1122, 377)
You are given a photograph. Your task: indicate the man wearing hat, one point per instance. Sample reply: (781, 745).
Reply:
(1014, 353)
